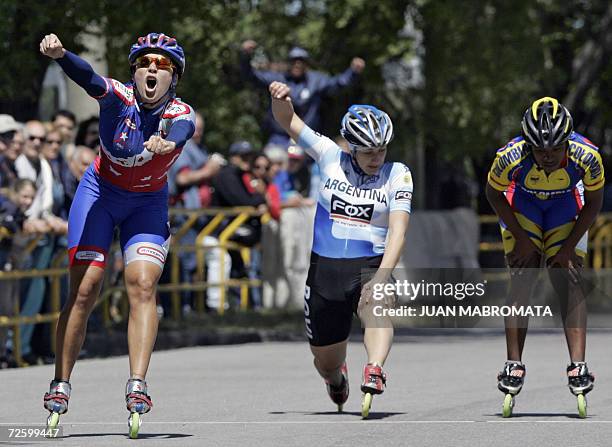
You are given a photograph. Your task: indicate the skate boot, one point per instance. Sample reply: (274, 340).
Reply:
(56, 401)
(339, 394)
(510, 382)
(580, 382)
(374, 382)
(138, 403)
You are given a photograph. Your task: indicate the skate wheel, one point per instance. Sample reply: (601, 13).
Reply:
(582, 406)
(134, 422)
(365, 405)
(53, 421)
(508, 406)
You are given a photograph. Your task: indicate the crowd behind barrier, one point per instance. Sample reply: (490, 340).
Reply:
(241, 227)
(41, 165)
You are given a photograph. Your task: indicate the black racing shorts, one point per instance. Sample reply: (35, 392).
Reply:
(333, 289)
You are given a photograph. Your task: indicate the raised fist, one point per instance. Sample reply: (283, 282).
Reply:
(248, 46)
(52, 47)
(357, 65)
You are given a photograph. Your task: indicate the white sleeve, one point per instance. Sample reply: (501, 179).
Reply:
(315, 144)
(400, 191)
(47, 182)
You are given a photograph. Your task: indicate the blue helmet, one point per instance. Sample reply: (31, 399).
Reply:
(162, 44)
(366, 127)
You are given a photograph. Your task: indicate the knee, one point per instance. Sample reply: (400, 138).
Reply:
(141, 288)
(86, 295)
(327, 367)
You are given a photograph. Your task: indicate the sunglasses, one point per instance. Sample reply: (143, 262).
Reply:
(53, 141)
(35, 137)
(161, 62)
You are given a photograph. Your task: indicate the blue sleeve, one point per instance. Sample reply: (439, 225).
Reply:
(258, 77)
(180, 132)
(83, 74)
(332, 85)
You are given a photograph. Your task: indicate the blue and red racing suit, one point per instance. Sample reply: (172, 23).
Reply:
(126, 186)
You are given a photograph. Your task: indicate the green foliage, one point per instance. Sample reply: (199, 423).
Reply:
(484, 61)
(23, 23)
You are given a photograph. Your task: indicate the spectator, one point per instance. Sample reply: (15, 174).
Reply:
(88, 133)
(51, 152)
(308, 87)
(12, 217)
(65, 122)
(12, 213)
(295, 232)
(258, 181)
(294, 181)
(189, 187)
(11, 143)
(82, 157)
(190, 177)
(31, 165)
(230, 191)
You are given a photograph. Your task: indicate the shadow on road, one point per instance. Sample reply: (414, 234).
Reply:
(373, 414)
(540, 415)
(124, 435)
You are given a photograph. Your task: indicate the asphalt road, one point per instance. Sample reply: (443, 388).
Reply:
(441, 391)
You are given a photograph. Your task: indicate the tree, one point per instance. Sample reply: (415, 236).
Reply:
(23, 23)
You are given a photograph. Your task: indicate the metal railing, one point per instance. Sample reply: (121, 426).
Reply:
(232, 217)
(600, 256)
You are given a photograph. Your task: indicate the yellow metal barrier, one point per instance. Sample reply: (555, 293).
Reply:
(15, 275)
(600, 249)
(238, 216)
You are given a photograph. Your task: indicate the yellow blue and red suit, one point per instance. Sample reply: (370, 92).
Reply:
(546, 206)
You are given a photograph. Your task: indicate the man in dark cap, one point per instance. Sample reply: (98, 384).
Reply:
(229, 190)
(308, 87)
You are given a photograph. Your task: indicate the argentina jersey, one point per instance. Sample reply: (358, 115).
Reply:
(352, 216)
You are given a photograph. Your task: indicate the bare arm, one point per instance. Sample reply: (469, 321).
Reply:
(566, 256)
(524, 250)
(283, 112)
(592, 205)
(198, 176)
(398, 225)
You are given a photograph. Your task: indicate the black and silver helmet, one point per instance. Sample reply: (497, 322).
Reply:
(366, 127)
(547, 123)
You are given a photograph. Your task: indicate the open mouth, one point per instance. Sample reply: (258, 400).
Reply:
(151, 84)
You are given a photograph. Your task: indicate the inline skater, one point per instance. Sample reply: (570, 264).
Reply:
(546, 187)
(361, 220)
(143, 127)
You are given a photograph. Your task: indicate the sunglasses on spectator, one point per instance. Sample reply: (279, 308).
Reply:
(7, 136)
(35, 137)
(53, 141)
(161, 62)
